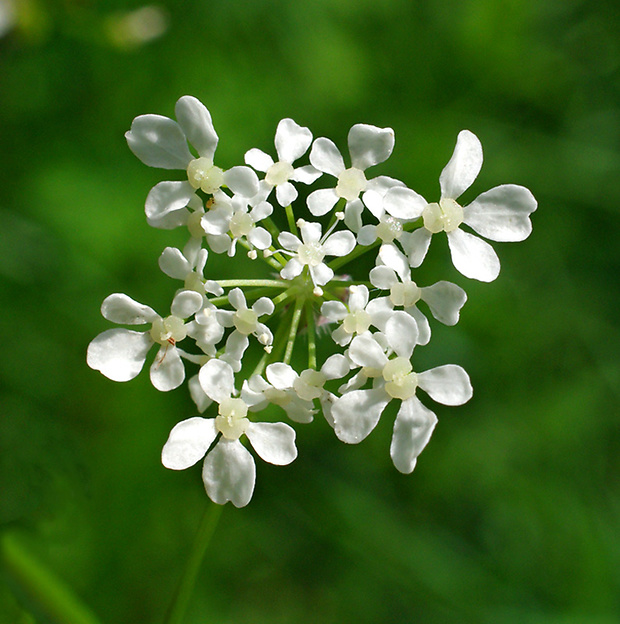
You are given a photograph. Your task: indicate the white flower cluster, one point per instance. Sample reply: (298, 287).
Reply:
(375, 320)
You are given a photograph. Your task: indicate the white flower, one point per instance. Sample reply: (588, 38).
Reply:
(162, 142)
(357, 412)
(368, 146)
(312, 249)
(357, 316)
(229, 472)
(292, 141)
(229, 220)
(501, 214)
(188, 265)
(120, 353)
(444, 299)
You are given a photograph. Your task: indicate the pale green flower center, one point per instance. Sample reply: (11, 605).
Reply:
(389, 229)
(231, 421)
(401, 382)
(351, 183)
(245, 321)
(309, 385)
(241, 224)
(356, 322)
(444, 216)
(279, 173)
(203, 174)
(169, 330)
(311, 254)
(405, 294)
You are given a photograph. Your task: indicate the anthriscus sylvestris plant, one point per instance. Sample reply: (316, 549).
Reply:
(309, 248)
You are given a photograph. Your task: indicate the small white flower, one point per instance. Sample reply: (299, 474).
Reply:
(444, 299)
(368, 146)
(120, 353)
(311, 250)
(292, 141)
(229, 220)
(229, 471)
(188, 265)
(501, 214)
(357, 412)
(357, 316)
(162, 142)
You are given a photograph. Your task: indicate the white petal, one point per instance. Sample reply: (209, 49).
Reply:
(310, 232)
(322, 201)
(260, 238)
(306, 174)
(217, 220)
(424, 328)
(261, 211)
(417, 244)
(473, 257)
(263, 306)
(167, 370)
(412, 430)
(392, 257)
(403, 203)
(217, 380)
(188, 442)
(464, 166)
(367, 235)
(274, 442)
(334, 310)
(229, 473)
(353, 214)
(281, 376)
(124, 310)
(335, 366)
(174, 264)
(236, 298)
(366, 351)
(502, 214)
(198, 395)
(369, 145)
(383, 277)
(167, 197)
(158, 142)
(119, 354)
(326, 157)
(357, 413)
(257, 159)
(286, 194)
(292, 140)
(186, 303)
(292, 269)
(321, 274)
(289, 241)
(401, 331)
(445, 301)
(448, 384)
(196, 122)
(236, 345)
(339, 243)
(358, 297)
(241, 181)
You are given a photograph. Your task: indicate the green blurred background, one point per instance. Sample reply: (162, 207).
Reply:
(513, 512)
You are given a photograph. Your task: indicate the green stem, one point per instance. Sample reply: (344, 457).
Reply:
(292, 334)
(185, 588)
(253, 283)
(292, 224)
(311, 335)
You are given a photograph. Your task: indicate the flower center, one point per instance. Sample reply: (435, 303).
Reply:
(444, 216)
(203, 174)
(389, 229)
(241, 224)
(311, 254)
(405, 294)
(356, 322)
(169, 330)
(351, 183)
(245, 321)
(401, 382)
(279, 173)
(231, 421)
